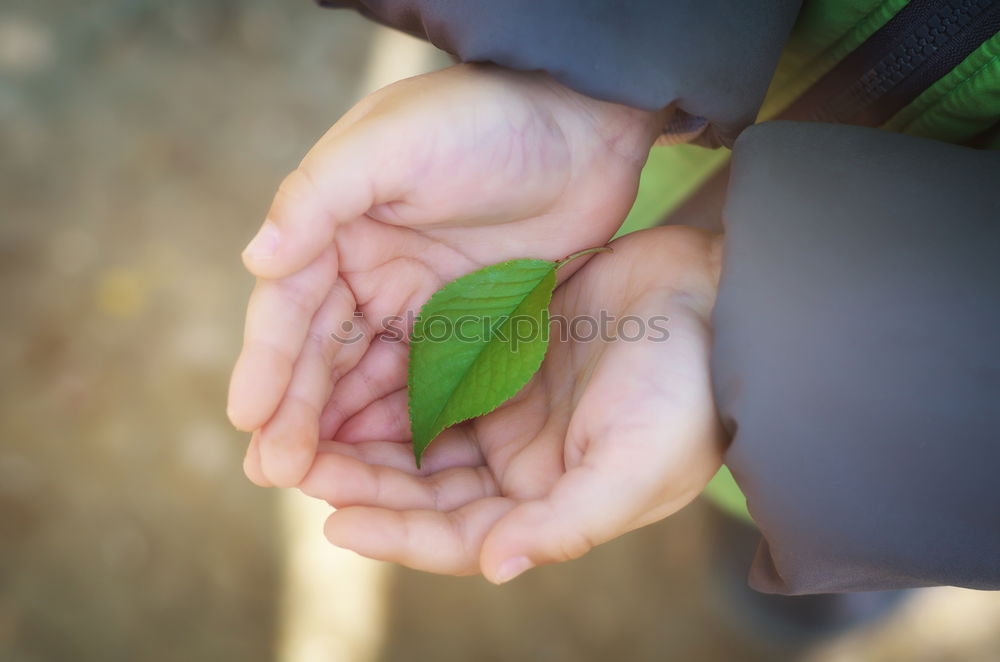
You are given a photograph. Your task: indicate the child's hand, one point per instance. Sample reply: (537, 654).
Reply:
(421, 182)
(607, 437)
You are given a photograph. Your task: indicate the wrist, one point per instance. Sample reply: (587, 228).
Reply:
(631, 132)
(625, 131)
(697, 268)
(715, 251)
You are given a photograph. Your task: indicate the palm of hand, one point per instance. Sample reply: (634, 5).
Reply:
(609, 436)
(425, 181)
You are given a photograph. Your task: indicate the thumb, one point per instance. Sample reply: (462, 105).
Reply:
(335, 184)
(586, 507)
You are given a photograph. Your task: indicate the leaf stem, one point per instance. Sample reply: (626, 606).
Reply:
(566, 260)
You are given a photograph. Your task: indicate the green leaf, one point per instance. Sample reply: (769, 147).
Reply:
(476, 343)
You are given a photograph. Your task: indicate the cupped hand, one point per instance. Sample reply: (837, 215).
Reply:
(422, 182)
(613, 433)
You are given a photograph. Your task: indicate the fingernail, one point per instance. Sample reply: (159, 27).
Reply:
(513, 567)
(265, 244)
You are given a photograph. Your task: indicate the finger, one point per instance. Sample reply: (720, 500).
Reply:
(380, 372)
(445, 543)
(278, 318)
(345, 481)
(288, 440)
(387, 419)
(453, 448)
(251, 463)
(336, 183)
(644, 439)
(585, 508)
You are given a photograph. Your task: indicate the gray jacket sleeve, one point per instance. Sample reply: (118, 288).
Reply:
(714, 58)
(857, 357)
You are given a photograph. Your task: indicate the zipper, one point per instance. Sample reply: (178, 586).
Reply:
(924, 41)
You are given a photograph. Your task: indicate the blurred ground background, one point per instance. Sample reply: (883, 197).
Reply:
(140, 143)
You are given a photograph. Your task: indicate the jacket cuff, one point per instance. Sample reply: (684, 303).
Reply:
(855, 357)
(712, 58)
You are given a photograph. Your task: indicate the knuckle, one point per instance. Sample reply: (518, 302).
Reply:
(298, 187)
(571, 542)
(573, 545)
(297, 183)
